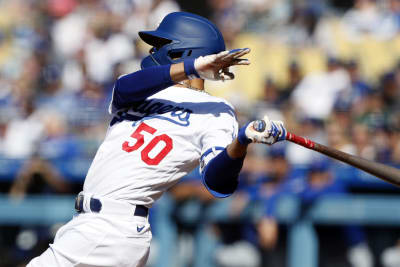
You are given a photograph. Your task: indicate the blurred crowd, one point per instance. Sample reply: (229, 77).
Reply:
(336, 81)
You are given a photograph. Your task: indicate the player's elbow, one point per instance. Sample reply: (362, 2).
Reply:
(219, 185)
(220, 176)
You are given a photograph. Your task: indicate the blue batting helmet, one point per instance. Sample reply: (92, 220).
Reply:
(179, 36)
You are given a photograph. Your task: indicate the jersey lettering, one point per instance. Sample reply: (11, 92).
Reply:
(156, 109)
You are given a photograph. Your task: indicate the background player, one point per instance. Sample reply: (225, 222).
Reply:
(163, 124)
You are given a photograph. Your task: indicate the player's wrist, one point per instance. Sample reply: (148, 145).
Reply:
(281, 131)
(242, 137)
(190, 69)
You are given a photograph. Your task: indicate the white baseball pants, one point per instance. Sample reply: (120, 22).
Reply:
(96, 239)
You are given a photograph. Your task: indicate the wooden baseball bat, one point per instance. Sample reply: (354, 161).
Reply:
(384, 172)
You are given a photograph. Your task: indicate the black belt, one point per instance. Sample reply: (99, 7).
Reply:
(95, 206)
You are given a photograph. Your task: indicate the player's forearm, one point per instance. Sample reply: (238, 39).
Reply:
(177, 72)
(157, 77)
(141, 84)
(236, 150)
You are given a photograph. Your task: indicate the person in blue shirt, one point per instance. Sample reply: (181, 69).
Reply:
(319, 183)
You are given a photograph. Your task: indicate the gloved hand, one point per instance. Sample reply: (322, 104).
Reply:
(216, 67)
(262, 131)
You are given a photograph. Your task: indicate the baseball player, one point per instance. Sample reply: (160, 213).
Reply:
(164, 124)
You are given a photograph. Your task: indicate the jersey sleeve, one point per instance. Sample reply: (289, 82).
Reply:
(139, 85)
(218, 133)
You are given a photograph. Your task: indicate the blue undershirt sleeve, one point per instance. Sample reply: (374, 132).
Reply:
(220, 176)
(141, 84)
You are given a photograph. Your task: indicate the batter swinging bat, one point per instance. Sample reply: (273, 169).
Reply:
(384, 172)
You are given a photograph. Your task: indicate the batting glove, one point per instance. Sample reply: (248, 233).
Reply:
(216, 67)
(262, 131)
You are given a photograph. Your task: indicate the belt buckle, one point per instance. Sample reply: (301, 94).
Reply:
(141, 211)
(79, 203)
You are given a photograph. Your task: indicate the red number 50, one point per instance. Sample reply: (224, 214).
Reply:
(143, 127)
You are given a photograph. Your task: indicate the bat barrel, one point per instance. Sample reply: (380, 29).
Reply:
(384, 172)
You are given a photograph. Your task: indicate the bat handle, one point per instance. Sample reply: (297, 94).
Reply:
(299, 140)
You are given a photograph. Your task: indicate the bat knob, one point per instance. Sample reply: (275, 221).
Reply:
(259, 125)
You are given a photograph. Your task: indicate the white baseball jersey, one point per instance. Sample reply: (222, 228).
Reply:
(155, 142)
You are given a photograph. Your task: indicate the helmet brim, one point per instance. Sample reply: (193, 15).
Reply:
(156, 38)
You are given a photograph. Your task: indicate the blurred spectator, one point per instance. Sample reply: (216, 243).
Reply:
(269, 190)
(366, 17)
(338, 137)
(23, 133)
(88, 117)
(264, 186)
(240, 254)
(189, 189)
(319, 183)
(310, 128)
(271, 93)
(278, 97)
(58, 143)
(394, 7)
(295, 76)
(361, 139)
(280, 180)
(315, 95)
(395, 146)
(69, 32)
(105, 46)
(390, 89)
(228, 18)
(159, 9)
(38, 176)
(51, 96)
(352, 99)
(397, 71)
(183, 208)
(391, 256)
(301, 26)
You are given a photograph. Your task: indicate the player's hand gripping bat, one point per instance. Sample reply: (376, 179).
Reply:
(384, 172)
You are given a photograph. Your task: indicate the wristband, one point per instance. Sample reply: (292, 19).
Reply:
(190, 70)
(242, 138)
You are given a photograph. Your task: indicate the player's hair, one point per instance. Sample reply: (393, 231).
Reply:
(181, 35)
